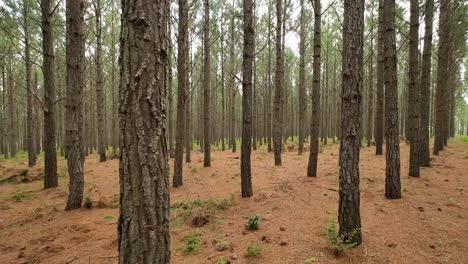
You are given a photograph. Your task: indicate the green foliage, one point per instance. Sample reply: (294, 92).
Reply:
(252, 222)
(222, 260)
(337, 243)
(254, 250)
(192, 242)
(310, 260)
(109, 217)
(21, 195)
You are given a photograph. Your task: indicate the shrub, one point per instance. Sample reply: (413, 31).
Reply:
(254, 250)
(337, 243)
(191, 242)
(253, 222)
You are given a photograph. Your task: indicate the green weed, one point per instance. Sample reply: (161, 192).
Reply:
(192, 242)
(254, 250)
(337, 243)
(253, 222)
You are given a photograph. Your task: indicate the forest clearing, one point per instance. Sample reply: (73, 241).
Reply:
(233, 131)
(428, 225)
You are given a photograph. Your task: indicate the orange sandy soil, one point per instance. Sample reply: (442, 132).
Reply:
(428, 225)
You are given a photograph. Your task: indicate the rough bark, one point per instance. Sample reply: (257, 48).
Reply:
(75, 53)
(29, 100)
(13, 131)
(279, 89)
(392, 139)
(206, 86)
(379, 115)
(100, 99)
(232, 86)
(302, 89)
(315, 125)
(182, 79)
(442, 74)
(248, 57)
(413, 90)
(370, 93)
(223, 102)
(349, 216)
(48, 68)
(144, 172)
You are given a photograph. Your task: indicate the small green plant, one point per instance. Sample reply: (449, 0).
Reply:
(194, 170)
(222, 260)
(338, 243)
(254, 250)
(191, 242)
(252, 222)
(109, 217)
(20, 195)
(310, 260)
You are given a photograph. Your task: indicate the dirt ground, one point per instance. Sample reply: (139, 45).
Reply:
(428, 225)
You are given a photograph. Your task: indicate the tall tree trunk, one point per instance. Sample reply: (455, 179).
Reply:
(100, 99)
(188, 123)
(302, 90)
(315, 129)
(379, 115)
(223, 104)
(442, 73)
(4, 111)
(370, 93)
(232, 85)
(75, 53)
(248, 57)
(279, 89)
(144, 169)
(413, 90)
(206, 86)
(392, 138)
(50, 152)
(349, 216)
(269, 93)
(182, 79)
(29, 101)
(37, 120)
(114, 132)
(12, 111)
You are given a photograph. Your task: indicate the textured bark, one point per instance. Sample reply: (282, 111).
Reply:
(48, 68)
(188, 131)
(144, 171)
(115, 131)
(100, 99)
(279, 89)
(29, 100)
(223, 102)
(206, 86)
(442, 74)
(13, 131)
(3, 121)
(315, 125)
(37, 119)
(248, 57)
(379, 115)
(75, 53)
(182, 79)
(269, 93)
(413, 90)
(349, 216)
(232, 86)
(392, 139)
(370, 93)
(302, 90)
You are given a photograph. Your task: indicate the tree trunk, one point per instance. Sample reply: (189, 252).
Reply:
(370, 93)
(379, 115)
(182, 79)
(315, 129)
(144, 171)
(248, 57)
(279, 89)
(75, 53)
(12, 111)
(206, 87)
(100, 99)
(29, 101)
(392, 139)
(349, 216)
(232, 86)
(223, 104)
(413, 90)
(442, 73)
(50, 152)
(302, 89)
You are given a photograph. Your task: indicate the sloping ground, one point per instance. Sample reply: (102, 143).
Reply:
(428, 225)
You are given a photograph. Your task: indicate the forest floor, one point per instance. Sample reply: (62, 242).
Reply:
(428, 225)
